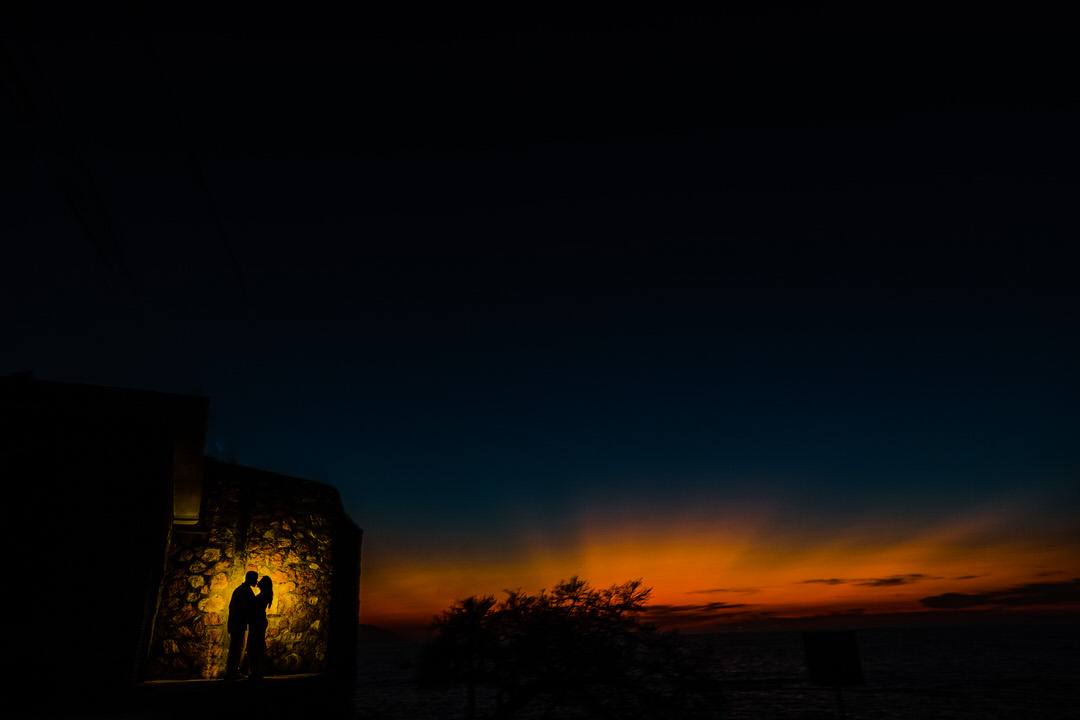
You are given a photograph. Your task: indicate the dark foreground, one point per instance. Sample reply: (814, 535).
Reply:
(290, 696)
(959, 673)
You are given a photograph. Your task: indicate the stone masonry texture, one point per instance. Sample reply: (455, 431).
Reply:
(278, 526)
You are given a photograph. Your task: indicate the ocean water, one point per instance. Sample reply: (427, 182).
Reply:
(936, 673)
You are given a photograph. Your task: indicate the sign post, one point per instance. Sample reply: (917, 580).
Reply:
(832, 659)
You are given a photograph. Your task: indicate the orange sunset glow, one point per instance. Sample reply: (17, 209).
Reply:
(743, 565)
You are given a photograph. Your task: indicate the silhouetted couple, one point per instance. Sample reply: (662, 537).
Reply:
(247, 611)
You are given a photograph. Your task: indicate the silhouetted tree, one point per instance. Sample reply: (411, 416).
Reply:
(573, 652)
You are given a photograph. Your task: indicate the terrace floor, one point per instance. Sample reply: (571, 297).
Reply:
(278, 697)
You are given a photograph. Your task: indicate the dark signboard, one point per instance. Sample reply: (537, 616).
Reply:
(833, 658)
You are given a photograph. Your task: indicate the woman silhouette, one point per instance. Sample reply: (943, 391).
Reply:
(257, 629)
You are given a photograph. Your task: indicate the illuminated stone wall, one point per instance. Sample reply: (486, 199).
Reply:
(251, 520)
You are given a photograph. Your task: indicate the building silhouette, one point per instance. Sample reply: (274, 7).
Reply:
(129, 541)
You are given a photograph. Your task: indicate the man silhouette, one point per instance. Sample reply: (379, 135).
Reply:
(240, 608)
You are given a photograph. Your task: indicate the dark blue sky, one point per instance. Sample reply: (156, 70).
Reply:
(471, 271)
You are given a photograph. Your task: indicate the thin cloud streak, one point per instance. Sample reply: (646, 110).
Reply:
(892, 581)
(1029, 595)
(696, 615)
(717, 591)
